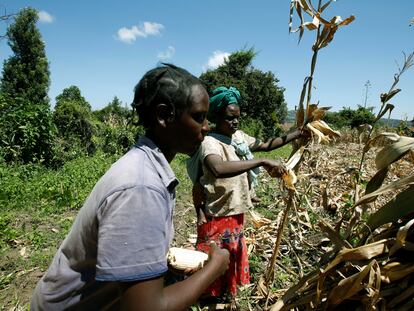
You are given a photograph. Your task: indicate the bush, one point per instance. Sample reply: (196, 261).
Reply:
(350, 117)
(115, 139)
(252, 127)
(26, 131)
(75, 126)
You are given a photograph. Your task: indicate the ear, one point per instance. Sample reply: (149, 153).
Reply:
(164, 114)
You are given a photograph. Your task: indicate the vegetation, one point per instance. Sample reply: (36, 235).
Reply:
(349, 239)
(26, 73)
(350, 117)
(25, 120)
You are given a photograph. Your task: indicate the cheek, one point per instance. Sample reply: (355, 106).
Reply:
(192, 130)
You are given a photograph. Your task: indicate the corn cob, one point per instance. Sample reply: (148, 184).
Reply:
(183, 259)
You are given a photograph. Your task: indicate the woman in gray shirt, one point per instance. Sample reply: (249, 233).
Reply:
(115, 254)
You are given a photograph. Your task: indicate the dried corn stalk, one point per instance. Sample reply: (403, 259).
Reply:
(330, 27)
(377, 275)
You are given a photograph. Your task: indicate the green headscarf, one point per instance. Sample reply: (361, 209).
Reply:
(221, 98)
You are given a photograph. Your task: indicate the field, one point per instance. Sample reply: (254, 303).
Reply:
(38, 207)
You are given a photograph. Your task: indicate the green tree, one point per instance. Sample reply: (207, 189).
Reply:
(73, 119)
(113, 112)
(262, 99)
(25, 118)
(116, 132)
(72, 94)
(350, 117)
(26, 72)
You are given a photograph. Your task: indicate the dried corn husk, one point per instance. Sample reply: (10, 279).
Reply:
(325, 128)
(322, 131)
(289, 177)
(183, 259)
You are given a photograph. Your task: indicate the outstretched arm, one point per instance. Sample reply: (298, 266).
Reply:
(278, 142)
(224, 169)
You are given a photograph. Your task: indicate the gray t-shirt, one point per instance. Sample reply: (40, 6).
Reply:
(121, 234)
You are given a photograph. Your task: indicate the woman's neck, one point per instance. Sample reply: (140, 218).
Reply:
(168, 153)
(216, 131)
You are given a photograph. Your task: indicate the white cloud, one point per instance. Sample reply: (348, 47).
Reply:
(45, 17)
(129, 35)
(216, 60)
(152, 29)
(167, 53)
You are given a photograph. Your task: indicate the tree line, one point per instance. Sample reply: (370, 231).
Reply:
(30, 131)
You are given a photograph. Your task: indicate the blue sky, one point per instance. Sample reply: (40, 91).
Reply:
(104, 47)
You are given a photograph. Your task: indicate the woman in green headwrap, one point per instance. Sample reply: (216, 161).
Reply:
(220, 171)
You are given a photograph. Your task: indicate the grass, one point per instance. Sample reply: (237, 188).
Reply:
(37, 208)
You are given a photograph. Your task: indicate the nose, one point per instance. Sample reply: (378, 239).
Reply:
(205, 128)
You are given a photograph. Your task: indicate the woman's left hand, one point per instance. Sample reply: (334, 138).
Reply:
(274, 168)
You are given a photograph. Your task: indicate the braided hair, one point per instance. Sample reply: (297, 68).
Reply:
(166, 84)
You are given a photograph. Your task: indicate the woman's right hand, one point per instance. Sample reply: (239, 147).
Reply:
(220, 257)
(274, 168)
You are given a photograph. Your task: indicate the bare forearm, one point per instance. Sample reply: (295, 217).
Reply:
(181, 295)
(153, 296)
(278, 142)
(233, 168)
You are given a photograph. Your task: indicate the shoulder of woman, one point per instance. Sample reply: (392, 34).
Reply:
(238, 135)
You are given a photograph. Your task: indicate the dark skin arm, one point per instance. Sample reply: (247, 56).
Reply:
(224, 169)
(278, 142)
(199, 202)
(151, 295)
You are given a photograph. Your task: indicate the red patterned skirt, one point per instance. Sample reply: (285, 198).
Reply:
(227, 232)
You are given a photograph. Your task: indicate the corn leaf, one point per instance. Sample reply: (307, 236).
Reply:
(295, 158)
(398, 207)
(326, 5)
(384, 135)
(348, 287)
(330, 29)
(390, 154)
(300, 114)
(401, 237)
(395, 271)
(314, 24)
(258, 220)
(376, 181)
(388, 107)
(394, 186)
(387, 96)
(307, 7)
(364, 252)
(401, 241)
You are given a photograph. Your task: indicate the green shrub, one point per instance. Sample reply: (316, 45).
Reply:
(115, 139)
(252, 127)
(74, 124)
(26, 131)
(350, 117)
